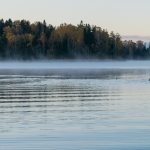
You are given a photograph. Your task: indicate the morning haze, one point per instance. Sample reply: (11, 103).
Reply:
(67, 82)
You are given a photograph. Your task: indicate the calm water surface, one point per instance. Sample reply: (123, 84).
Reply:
(107, 109)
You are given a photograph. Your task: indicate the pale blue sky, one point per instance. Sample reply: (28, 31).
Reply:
(127, 17)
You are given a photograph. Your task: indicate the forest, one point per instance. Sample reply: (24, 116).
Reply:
(22, 40)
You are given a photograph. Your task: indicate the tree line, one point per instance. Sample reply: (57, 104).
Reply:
(21, 39)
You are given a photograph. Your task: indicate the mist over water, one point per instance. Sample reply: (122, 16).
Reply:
(75, 105)
(76, 69)
(74, 64)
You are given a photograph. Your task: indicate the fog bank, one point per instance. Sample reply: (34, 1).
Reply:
(74, 64)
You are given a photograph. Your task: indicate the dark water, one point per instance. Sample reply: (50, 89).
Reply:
(107, 109)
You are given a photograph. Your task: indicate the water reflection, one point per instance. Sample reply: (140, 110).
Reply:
(99, 73)
(97, 112)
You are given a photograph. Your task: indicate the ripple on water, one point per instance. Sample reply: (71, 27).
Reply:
(40, 112)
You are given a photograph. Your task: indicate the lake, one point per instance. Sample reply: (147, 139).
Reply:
(75, 107)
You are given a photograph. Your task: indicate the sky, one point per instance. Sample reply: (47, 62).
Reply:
(129, 18)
